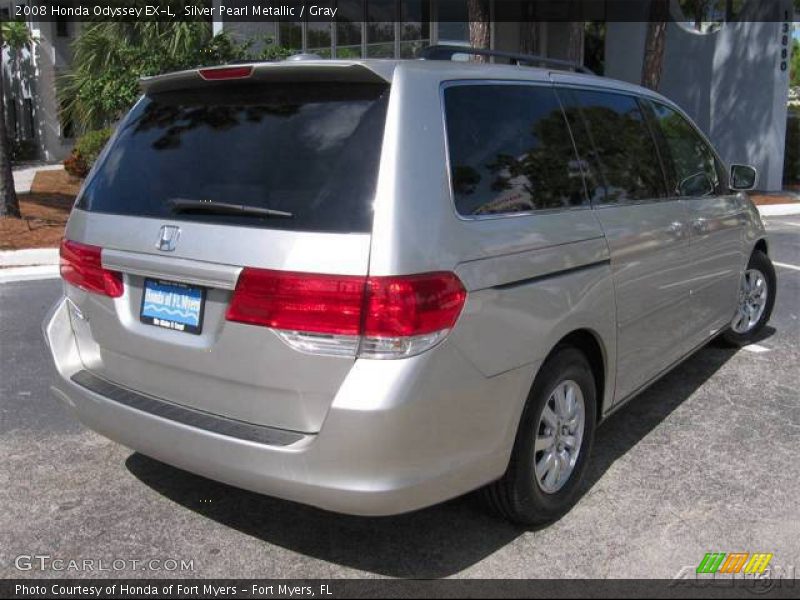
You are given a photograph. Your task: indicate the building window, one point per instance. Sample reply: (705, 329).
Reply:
(381, 19)
(62, 27)
(363, 28)
(67, 125)
(348, 39)
(318, 38)
(453, 22)
(31, 125)
(415, 27)
(291, 34)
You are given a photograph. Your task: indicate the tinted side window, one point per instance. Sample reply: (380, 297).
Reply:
(614, 141)
(693, 169)
(510, 150)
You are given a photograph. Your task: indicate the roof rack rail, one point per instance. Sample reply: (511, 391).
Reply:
(446, 52)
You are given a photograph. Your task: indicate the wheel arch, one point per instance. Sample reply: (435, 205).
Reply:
(591, 345)
(761, 245)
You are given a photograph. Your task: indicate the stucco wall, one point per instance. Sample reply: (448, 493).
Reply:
(33, 76)
(728, 81)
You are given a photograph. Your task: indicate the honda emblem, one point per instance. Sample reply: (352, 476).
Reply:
(168, 238)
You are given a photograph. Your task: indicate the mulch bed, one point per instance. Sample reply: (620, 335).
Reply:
(44, 212)
(46, 208)
(42, 224)
(772, 199)
(56, 182)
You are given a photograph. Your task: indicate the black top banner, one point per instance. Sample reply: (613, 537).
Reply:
(398, 11)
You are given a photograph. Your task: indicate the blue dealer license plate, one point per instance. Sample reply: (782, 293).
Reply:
(172, 305)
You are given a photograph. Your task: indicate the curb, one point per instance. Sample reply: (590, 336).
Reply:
(779, 210)
(29, 273)
(29, 257)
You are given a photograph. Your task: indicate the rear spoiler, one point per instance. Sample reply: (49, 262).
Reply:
(295, 72)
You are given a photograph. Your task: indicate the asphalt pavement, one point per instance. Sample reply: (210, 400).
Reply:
(706, 460)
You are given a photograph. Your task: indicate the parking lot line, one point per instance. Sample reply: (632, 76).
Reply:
(757, 348)
(786, 266)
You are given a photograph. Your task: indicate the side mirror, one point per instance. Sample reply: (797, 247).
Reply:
(743, 177)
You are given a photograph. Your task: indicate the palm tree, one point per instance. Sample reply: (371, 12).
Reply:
(479, 30)
(575, 42)
(106, 47)
(109, 59)
(15, 36)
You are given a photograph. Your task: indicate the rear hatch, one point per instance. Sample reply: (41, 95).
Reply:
(216, 181)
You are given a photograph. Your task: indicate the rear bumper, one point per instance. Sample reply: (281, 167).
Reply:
(396, 438)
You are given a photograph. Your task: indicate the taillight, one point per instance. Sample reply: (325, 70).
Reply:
(81, 266)
(296, 301)
(374, 317)
(221, 73)
(406, 315)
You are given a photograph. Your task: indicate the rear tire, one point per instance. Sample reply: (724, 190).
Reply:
(756, 301)
(529, 494)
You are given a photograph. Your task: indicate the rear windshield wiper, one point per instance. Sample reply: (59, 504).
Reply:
(187, 205)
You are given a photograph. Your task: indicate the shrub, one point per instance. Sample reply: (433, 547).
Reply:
(75, 165)
(86, 151)
(109, 58)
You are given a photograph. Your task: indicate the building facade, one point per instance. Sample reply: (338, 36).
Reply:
(731, 76)
(29, 84)
(729, 73)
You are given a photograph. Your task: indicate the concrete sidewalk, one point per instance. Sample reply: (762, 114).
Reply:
(778, 210)
(28, 257)
(777, 204)
(29, 273)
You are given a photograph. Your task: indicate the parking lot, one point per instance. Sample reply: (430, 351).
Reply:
(706, 460)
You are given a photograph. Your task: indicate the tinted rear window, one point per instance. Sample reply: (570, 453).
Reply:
(308, 149)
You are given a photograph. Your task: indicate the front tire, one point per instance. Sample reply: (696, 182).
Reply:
(756, 301)
(553, 443)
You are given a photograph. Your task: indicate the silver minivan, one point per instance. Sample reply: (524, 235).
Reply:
(371, 286)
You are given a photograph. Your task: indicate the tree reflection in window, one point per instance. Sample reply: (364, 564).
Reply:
(613, 138)
(693, 168)
(510, 150)
(311, 149)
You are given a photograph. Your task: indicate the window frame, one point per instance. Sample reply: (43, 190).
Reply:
(443, 86)
(637, 98)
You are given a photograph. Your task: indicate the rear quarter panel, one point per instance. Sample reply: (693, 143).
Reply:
(531, 279)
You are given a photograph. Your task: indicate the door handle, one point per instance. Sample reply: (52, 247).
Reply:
(676, 228)
(700, 225)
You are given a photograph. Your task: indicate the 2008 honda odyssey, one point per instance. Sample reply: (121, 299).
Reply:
(372, 286)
